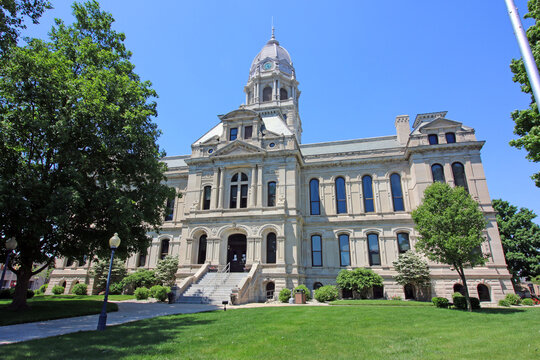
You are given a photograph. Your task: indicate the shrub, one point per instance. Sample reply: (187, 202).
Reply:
(306, 291)
(504, 302)
(6, 294)
(460, 302)
(359, 280)
(140, 278)
(100, 271)
(527, 302)
(166, 270)
(159, 292)
(456, 294)
(326, 293)
(41, 289)
(58, 290)
(513, 299)
(142, 293)
(29, 294)
(284, 295)
(116, 288)
(79, 289)
(440, 302)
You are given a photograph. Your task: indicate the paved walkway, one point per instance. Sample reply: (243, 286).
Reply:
(127, 312)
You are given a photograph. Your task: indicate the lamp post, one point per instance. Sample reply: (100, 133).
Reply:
(114, 242)
(11, 244)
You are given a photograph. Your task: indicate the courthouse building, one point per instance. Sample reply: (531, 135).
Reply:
(283, 213)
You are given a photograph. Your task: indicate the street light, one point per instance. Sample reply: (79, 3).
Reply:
(11, 244)
(114, 242)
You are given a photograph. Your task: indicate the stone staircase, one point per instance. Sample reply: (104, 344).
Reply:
(212, 288)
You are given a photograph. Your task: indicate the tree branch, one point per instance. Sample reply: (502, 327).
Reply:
(43, 267)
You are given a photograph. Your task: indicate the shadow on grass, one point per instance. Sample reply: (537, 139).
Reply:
(138, 338)
(501, 311)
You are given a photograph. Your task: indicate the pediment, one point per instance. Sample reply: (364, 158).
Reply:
(238, 147)
(439, 123)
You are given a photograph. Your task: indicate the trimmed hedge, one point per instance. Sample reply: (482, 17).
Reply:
(80, 289)
(460, 302)
(42, 289)
(528, 302)
(513, 299)
(58, 290)
(504, 302)
(116, 288)
(159, 292)
(8, 293)
(284, 295)
(326, 293)
(306, 291)
(142, 293)
(440, 302)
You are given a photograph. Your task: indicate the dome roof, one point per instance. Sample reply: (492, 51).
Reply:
(274, 51)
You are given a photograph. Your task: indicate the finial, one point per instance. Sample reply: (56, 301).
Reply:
(273, 37)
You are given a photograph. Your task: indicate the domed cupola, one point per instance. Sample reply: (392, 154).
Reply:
(272, 57)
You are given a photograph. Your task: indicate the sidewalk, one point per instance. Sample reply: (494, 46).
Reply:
(127, 312)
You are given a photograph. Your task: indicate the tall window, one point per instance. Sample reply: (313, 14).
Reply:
(316, 250)
(201, 258)
(206, 197)
(367, 188)
(272, 193)
(271, 247)
(283, 94)
(314, 199)
(341, 199)
(267, 94)
(374, 253)
(344, 250)
(433, 139)
(233, 134)
(437, 172)
(403, 242)
(459, 175)
(397, 194)
(239, 188)
(169, 211)
(164, 248)
(248, 131)
(142, 259)
(450, 137)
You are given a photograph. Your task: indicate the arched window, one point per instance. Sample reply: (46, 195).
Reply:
(437, 172)
(459, 288)
(374, 252)
(63, 285)
(483, 292)
(271, 248)
(459, 175)
(141, 261)
(316, 250)
(317, 285)
(283, 94)
(314, 199)
(367, 189)
(238, 189)
(207, 193)
(344, 250)
(450, 137)
(69, 262)
(403, 242)
(267, 94)
(201, 258)
(397, 193)
(169, 211)
(164, 248)
(341, 199)
(433, 139)
(270, 288)
(272, 193)
(82, 260)
(409, 292)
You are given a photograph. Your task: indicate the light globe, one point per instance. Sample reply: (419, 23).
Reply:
(11, 243)
(114, 241)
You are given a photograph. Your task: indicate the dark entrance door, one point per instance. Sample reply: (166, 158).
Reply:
(236, 252)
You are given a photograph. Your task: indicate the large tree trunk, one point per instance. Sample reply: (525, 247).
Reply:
(467, 298)
(24, 273)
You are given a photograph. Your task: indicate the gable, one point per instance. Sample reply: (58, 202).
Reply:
(238, 147)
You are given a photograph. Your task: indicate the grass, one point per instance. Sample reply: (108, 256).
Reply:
(381, 302)
(319, 332)
(50, 307)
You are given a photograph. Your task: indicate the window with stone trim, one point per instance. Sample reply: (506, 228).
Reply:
(397, 193)
(271, 248)
(164, 248)
(267, 94)
(314, 199)
(141, 261)
(233, 134)
(207, 194)
(248, 132)
(341, 196)
(169, 209)
(450, 137)
(239, 189)
(433, 139)
(437, 171)
(201, 256)
(271, 190)
(367, 189)
(283, 94)
(373, 248)
(344, 250)
(458, 170)
(403, 242)
(316, 250)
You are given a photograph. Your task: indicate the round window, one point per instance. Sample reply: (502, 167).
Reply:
(272, 145)
(210, 151)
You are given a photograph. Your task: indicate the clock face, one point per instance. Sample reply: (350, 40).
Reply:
(267, 65)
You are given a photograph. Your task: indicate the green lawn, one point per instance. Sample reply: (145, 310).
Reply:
(381, 302)
(307, 332)
(51, 307)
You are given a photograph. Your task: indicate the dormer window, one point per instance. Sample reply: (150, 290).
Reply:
(233, 134)
(450, 137)
(248, 131)
(433, 139)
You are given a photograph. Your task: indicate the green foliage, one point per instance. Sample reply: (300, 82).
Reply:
(440, 302)
(513, 299)
(536, 280)
(100, 271)
(80, 289)
(78, 150)
(58, 290)
(306, 291)
(42, 289)
(411, 269)
(116, 288)
(166, 270)
(142, 293)
(520, 238)
(284, 295)
(460, 302)
(504, 302)
(159, 292)
(456, 295)
(326, 293)
(140, 278)
(396, 297)
(528, 302)
(359, 280)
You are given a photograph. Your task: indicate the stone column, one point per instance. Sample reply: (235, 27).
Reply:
(259, 185)
(215, 182)
(352, 243)
(250, 250)
(258, 250)
(280, 249)
(189, 249)
(253, 188)
(220, 189)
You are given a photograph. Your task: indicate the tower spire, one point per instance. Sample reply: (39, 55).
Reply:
(273, 37)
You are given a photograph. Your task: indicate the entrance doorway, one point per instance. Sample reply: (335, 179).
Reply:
(236, 252)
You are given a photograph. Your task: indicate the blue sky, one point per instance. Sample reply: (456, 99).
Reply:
(359, 64)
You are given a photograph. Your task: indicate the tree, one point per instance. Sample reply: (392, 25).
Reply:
(520, 238)
(78, 149)
(166, 270)
(100, 271)
(12, 16)
(527, 122)
(412, 269)
(450, 225)
(359, 280)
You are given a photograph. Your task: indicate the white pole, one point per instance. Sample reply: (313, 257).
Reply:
(528, 59)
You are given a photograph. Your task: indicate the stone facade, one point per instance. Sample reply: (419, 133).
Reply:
(294, 213)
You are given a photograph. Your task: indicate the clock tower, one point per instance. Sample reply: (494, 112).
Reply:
(272, 89)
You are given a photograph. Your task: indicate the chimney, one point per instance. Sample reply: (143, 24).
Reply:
(403, 128)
